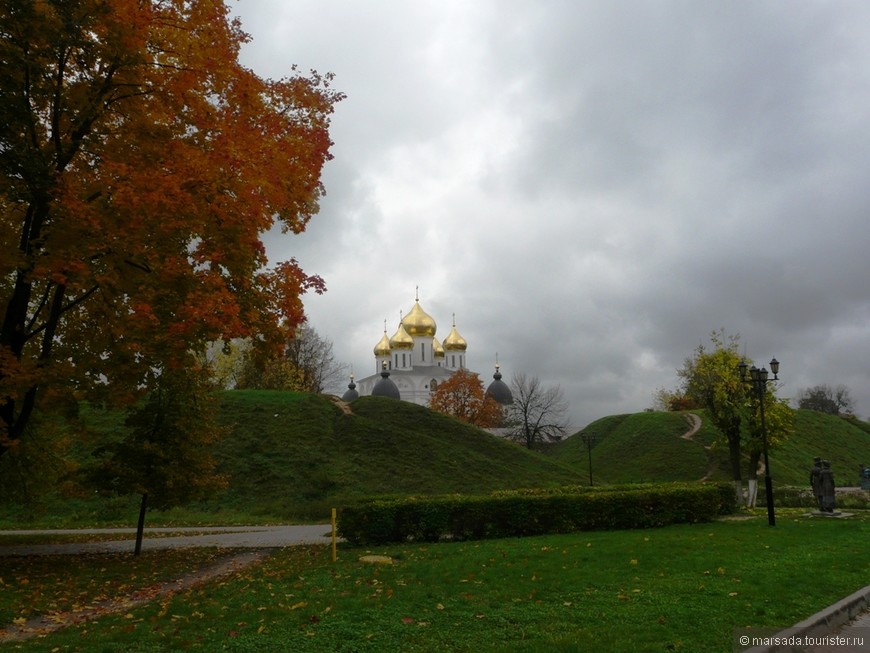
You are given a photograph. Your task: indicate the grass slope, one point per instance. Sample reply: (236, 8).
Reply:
(292, 454)
(636, 448)
(845, 443)
(649, 447)
(296, 455)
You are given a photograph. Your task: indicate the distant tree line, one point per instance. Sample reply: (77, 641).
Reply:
(305, 364)
(825, 399)
(536, 416)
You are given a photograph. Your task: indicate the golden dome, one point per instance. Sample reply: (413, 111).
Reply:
(454, 341)
(401, 339)
(383, 346)
(419, 323)
(437, 349)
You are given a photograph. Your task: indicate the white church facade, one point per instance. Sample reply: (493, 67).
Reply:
(410, 364)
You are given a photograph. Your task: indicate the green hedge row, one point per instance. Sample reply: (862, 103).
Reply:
(531, 512)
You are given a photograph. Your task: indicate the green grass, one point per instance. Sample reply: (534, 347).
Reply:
(648, 447)
(291, 457)
(681, 588)
(300, 456)
(637, 448)
(841, 441)
(46, 585)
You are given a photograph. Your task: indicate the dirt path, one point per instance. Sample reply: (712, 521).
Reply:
(694, 426)
(45, 624)
(343, 405)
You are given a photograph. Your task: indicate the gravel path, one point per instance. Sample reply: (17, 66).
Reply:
(256, 537)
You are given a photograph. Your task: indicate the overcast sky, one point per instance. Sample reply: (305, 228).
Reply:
(592, 188)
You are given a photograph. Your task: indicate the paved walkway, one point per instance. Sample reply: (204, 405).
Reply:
(258, 537)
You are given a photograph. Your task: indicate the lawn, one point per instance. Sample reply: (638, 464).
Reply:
(681, 588)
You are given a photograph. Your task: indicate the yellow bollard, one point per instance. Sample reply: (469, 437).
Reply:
(333, 535)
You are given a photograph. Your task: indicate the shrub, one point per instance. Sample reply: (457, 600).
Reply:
(531, 512)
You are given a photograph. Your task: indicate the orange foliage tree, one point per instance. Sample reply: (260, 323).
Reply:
(463, 397)
(140, 164)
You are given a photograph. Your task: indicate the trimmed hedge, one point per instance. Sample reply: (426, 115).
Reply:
(531, 512)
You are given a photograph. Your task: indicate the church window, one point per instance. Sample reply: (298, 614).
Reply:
(403, 360)
(423, 351)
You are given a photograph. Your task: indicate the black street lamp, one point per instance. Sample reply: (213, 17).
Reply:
(758, 383)
(589, 439)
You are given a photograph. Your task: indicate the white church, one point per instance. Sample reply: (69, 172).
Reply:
(410, 364)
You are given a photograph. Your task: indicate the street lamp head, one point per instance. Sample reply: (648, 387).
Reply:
(741, 366)
(753, 373)
(774, 367)
(762, 375)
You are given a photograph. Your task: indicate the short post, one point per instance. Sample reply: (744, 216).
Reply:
(589, 439)
(334, 552)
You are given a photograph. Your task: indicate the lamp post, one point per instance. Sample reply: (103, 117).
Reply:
(758, 384)
(589, 439)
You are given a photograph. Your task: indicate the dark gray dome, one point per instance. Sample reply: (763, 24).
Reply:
(350, 394)
(499, 390)
(385, 387)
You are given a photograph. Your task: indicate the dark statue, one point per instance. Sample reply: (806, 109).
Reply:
(816, 481)
(829, 501)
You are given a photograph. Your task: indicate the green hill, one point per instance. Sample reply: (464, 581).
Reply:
(649, 447)
(295, 455)
(298, 454)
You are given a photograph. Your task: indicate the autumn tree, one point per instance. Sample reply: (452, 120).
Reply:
(711, 380)
(825, 399)
(779, 421)
(166, 455)
(306, 364)
(464, 397)
(538, 412)
(311, 354)
(140, 163)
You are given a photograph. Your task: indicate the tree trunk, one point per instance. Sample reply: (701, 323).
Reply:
(738, 492)
(140, 527)
(752, 492)
(734, 457)
(754, 458)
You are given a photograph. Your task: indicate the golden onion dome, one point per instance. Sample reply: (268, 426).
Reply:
(419, 323)
(401, 339)
(437, 349)
(454, 341)
(383, 346)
